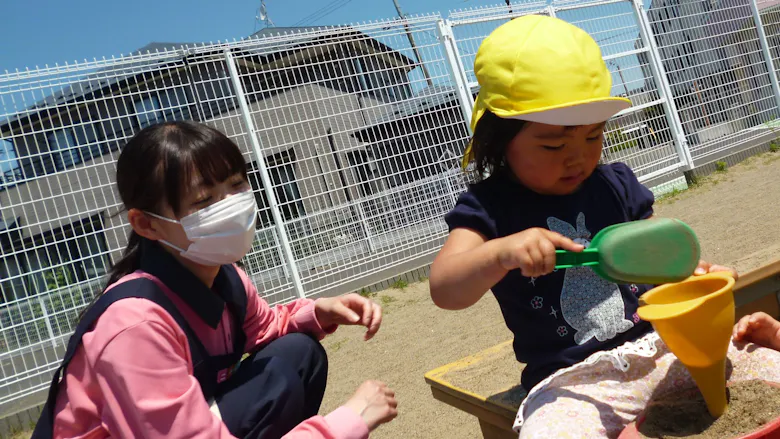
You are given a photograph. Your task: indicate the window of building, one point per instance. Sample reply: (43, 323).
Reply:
(281, 169)
(361, 170)
(175, 103)
(88, 139)
(55, 259)
(12, 281)
(62, 144)
(148, 111)
(265, 219)
(383, 81)
(9, 165)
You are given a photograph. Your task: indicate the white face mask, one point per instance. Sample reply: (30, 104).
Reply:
(222, 233)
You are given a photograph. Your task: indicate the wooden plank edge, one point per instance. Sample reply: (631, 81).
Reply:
(474, 399)
(439, 372)
(756, 285)
(758, 275)
(503, 420)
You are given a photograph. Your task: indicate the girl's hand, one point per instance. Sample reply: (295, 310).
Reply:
(533, 251)
(705, 267)
(375, 403)
(759, 328)
(349, 309)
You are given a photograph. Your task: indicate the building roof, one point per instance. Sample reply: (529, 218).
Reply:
(273, 31)
(108, 78)
(424, 103)
(102, 78)
(426, 99)
(162, 47)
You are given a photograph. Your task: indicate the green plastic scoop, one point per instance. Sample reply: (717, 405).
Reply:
(654, 251)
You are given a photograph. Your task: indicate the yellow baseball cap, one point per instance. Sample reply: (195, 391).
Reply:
(541, 69)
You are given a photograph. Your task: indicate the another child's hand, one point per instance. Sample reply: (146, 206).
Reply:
(533, 251)
(349, 309)
(375, 403)
(759, 328)
(705, 267)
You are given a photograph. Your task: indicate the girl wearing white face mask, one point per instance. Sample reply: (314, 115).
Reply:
(159, 352)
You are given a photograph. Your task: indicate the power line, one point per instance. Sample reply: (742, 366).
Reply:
(631, 31)
(323, 12)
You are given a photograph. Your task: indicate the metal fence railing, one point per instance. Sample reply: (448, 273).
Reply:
(352, 137)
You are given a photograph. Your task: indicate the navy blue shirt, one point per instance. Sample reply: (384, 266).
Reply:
(561, 318)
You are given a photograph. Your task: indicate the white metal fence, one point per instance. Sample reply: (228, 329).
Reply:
(352, 137)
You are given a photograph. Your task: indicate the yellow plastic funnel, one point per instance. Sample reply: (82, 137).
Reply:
(695, 318)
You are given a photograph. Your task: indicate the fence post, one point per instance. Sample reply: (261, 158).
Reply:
(285, 268)
(366, 227)
(451, 190)
(263, 170)
(46, 322)
(659, 73)
(456, 69)
(767, 53)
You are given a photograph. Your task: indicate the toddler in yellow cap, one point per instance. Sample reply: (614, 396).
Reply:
(538, 127)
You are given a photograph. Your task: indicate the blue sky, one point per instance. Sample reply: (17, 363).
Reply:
(37, 32)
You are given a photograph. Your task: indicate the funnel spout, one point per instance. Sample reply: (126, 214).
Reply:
(711, 381)
(695, 319)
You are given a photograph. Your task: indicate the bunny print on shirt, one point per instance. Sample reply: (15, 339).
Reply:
(591, 305)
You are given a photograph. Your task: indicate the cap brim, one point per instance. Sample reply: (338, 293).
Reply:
(585, 113)
(572, 114)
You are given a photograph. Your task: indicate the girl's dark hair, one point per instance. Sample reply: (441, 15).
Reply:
(158, 165)
(490, 140)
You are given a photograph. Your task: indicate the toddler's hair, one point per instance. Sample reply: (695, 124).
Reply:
(490, 140)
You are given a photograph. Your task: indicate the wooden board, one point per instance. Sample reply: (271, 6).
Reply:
(484, 407)
(758, 290)
(495, 406)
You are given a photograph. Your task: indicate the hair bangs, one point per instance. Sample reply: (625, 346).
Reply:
(197, 155)
(217, 161)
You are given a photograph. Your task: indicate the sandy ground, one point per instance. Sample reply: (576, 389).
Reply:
(735, 213)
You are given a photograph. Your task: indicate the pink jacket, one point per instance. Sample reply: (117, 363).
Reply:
(132, 375)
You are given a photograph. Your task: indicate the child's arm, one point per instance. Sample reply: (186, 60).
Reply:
(264, 323)
(469, 265)
(464, 270)
(372, 405)
(759, 328)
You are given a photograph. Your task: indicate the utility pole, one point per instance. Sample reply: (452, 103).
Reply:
(414, 46)
(262, 16)
(622, 79)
